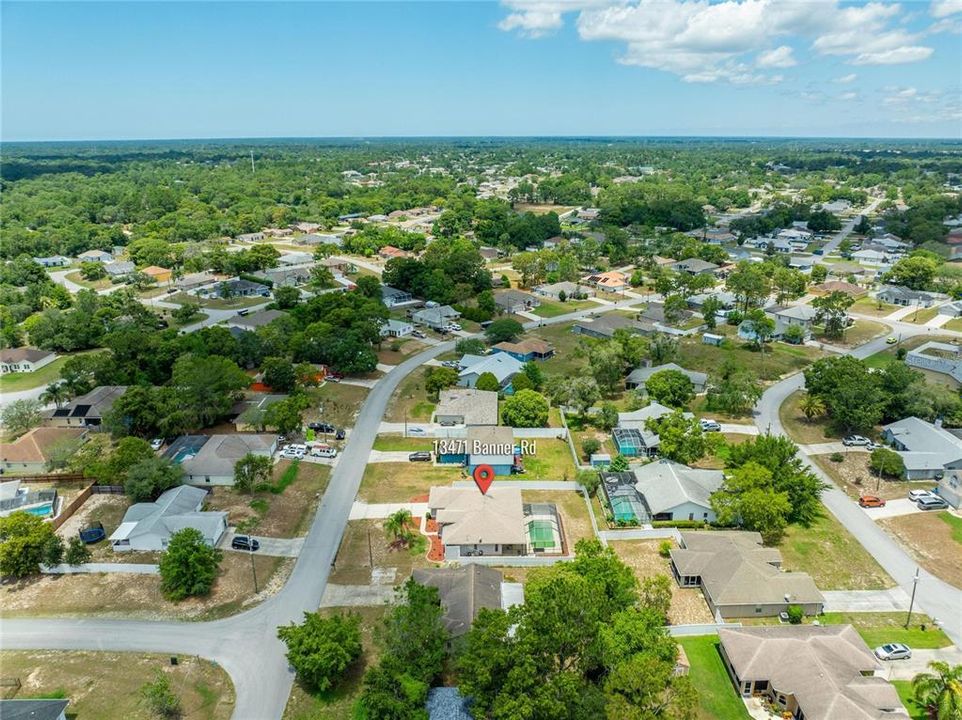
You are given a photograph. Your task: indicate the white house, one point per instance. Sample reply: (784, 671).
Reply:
(24, 359)
(101, 256)
(501, 365)
(396, 328)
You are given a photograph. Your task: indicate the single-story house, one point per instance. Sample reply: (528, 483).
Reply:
(639, 376)
(158, 274)
(396, 328)
(392, 296)
(248, 414)
(810, 672)
(240, 288)
(389, 251)
(210, 459)
(87, 410)
(295, 258)
(119, 269)
(29, 453)
(695, 266)
(53, 261)
(463, 592)
(739, 577)
(611, 281)
(527, 350)
(952, 309)
(926, 449)
(34, 709)
(192, 281)
(305, 227)
(24, 359)
(337, 265)
(803, 263)
(315, 239)
(945, 358)
(827, 288)
(249, 237)
(570, 289)
(632, 436)
(502, 365)
(256, 319)
(467, 406)
(149, 526)
(101, 256)
(286, 276)
(726, 299)
(871, 256)
(435, 317)
(899, 295)
(512, 301)
(489, 253)
(662, 490)
(604, 327)
(654, 315)
(471, 523)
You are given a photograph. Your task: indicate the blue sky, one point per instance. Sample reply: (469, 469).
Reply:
(136, 70)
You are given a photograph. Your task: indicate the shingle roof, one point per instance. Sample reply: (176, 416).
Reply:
(94, 404)
(35, 445)
(258, 319)
(666, 485)
(501, 365)
(479, 407)
(463, 592)
(822, 666)
(467, 517)
(640, 375)
(175, 510)
(927, 446)
(219, 453)
(16, 355)
(32, 709)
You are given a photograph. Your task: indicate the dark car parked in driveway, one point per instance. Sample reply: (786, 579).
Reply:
(244, 542)
(422, 456)
(321, 427)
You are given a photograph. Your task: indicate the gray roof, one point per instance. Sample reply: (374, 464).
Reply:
(15, 355)
(926, 446)
(174, 510)
(903, 293)
(121, 267)
(638, 419)
(258, 319)
(640, 375)
(829, 669)
(32, 709)
(436, 314)
(607, 324)
(736, 569)
(694, 265)
(501, 365)
(219, 453)
(805, 313)
(666, 485)
(567, 287)
(511, 298)
(478, 407)
(463, 592)
(390, 292)
(94, 404)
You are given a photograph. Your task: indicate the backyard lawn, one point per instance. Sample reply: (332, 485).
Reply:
(399, 482)
(934, 539)
(106, 685)
(907, 696)
(550, 309)
(77, 277)
(832, 556)
(717, 698)
(551, 461)
(568, 355)
(954, 324)
(339, 704)
(410, 400)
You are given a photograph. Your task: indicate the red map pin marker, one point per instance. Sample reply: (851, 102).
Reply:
(484, 476)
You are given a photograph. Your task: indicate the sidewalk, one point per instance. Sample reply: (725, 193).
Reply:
(133, 568)
(361, 510)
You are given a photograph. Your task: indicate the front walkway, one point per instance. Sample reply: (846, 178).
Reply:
(901, 312)
(891, 600)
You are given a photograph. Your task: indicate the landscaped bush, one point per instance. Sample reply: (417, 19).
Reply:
(681, 524)
(664, 548)
(836, 457)
(795, 614)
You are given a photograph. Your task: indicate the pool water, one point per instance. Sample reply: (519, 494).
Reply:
(41, 510)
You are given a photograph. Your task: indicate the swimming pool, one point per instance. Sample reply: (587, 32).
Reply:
(41, 510)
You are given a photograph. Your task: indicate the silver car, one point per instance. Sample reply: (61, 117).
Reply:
(893, 651)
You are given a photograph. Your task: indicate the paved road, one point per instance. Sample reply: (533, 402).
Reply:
(246, 645)
(936, 598)
(847, 228)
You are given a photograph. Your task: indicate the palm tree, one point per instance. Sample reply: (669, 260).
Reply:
(397, 524)
(56, 393)
(939, 693)
(811, 406)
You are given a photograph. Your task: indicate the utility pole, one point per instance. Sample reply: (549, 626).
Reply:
(253, 568)
(915, 584)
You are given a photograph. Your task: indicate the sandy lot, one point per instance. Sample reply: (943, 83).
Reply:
(929, 538)
(856, 478)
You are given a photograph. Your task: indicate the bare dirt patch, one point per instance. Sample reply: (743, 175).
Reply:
(368, 554)
(688, 606)
(930, 541)
(856, 478)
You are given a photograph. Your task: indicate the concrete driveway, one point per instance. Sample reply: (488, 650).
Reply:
(389, 456)
(357, 595)
(375, 511)
(908, 669)
(891, 600)
(275, 547)
(893, 508)
(827, 448)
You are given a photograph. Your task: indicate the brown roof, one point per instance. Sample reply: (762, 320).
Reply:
(15, 355)
(822, 666)
(35, 445)
(154, 270)
(525, 346)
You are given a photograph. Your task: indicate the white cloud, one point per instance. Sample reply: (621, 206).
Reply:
(708, 41)
(848, 96)
(846, 79)
(780, 57)
(944, 8)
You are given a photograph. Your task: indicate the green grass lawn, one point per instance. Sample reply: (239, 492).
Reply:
(907, 696)
(568, 357)
(922, 316)
(551, 461)
(399, 482)
(953, 522)
(396, 443)
(880, 628)
(101, 284)
(954, 324)
(777, 359)
(832, 556)
(410, 401)
(799, 428)
(871, 306)
(549, 308)
(15, 382)
(861, 332)
(717, 699)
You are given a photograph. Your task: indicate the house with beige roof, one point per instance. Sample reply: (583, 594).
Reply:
(471, 523)
(29, 453)
(611, 281)
(24, 359)
(740, 577)
(467, 406)
(810, 672)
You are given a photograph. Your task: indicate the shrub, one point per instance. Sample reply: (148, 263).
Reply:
(589, 446)
(159, 698)
(321, 649)
(589, 480)
(795, 614)
(836, 457)
(664, 548)
(680, 524)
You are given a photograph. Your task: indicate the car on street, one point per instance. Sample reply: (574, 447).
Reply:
(156, 443)
(890, 340)
(893, 651)
(323, 451)
(421, 456)
(916, 495)
(931, 502)
(245, 542)
(855, 441)
(418, 334)
(321, 427)
(708, 425)
(416, 431)
(871, 501)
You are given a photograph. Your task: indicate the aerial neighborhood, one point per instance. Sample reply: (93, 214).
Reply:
(485, 430)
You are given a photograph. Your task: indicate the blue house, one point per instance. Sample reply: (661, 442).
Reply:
(482, 445)
(526, 350)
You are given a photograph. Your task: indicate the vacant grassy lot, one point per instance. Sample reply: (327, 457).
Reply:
(339, 704)
(336, 403)
(365, 541)
(78, 278)
(284, 514)
(215, 303)
(871, 306)
(410, 400)
(569, 353)
(550, 308)
(834, 559)
(106, 686)
(398, 443)
(139, 596)
(861, 332)
(574, 513)
(687, 604)
(954, 324)
(15, 382)
(717, 698)
(922, 316)
(855, 477)
(551, 461)
(878, 628)
(934, 539)
(801, 429)
(884, 357)
(406, 348)
(778, 358)
(399, 482)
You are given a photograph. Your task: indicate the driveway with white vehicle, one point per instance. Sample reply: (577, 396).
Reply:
(893, 508)
(919, 662)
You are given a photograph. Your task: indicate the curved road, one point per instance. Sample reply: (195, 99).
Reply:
(935, 597)
(246, 645)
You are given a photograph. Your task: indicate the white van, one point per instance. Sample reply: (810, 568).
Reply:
(323, 451)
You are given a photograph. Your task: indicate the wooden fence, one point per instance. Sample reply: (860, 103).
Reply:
(48, 478)
(74, 505)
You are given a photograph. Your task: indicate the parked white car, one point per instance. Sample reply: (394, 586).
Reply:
(290, 454)
(856, 441)
(708, 425)
(916, 495)
(156, 444)
(893, 651)
(323, 451)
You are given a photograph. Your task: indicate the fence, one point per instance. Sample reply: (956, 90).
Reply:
(30, 498)
(71, 508)
(108, 489)
(48, 478)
